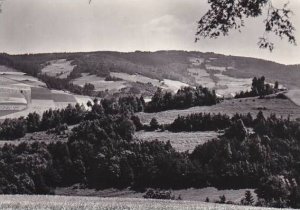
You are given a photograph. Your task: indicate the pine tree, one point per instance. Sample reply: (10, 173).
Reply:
(248, 199)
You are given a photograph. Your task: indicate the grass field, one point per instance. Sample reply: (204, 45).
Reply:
(20, 202)
(41, 136)
(135, 78)
(281, 107)
(183, 141)
(190, 194)
(4, 69)
(99, 83)
(294, 95)
(58, 68)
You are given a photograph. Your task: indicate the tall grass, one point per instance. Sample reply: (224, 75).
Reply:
(27, 202)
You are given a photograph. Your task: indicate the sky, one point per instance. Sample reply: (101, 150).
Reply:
(37, 26)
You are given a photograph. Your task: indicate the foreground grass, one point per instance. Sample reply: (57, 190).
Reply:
(28, 202)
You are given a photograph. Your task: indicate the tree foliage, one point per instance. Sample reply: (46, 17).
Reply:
(226, 15)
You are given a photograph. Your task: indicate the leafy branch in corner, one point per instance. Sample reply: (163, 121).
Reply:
(226, 15)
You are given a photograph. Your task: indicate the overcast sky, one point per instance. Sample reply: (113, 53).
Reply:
(34, 26)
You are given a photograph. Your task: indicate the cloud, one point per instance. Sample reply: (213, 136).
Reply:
(166, 24)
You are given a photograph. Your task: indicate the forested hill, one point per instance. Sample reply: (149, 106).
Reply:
(159, 65)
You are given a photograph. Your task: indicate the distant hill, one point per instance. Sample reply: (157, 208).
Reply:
(192, 68)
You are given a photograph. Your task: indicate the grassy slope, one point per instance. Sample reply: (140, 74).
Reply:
(182, 141)
(18, 202)
(281, 107)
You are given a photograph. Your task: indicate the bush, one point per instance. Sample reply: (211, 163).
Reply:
(157, 194)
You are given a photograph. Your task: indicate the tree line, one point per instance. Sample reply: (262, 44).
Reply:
(259, 88)
(185, 97)
(16, 128)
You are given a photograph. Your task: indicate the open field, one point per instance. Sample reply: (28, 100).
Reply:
(99, 82)
(14, 105)
(58, 68)
(294, 95)
(20, 79)
(127, 79)
(135, 78)
(18, 202)
(224, 85)
(44, 99)
(229, 85)
(41, 136)
(182, 141)
(5, 69)
(281, 107)
(173, 85)
(190, 194)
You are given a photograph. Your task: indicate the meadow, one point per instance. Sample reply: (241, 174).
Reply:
(99, 82)
(39, 202)
(182, 141)
(281, 107)
(294, 96)
(58, 68)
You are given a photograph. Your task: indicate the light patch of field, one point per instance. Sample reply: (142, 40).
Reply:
(213, 194)
(202, 77)
(280, 107)
(42, 100)
(8, 108)
(224, 85)
(181, 141)
(99, 83)
(294, 95)
(12, 100)
(217, 68)
(58, 68)
(136, 78)
(4, 69)
(83, 100)
(172, 85)
(41, 136)
(11, 73)
(7, 82)
(190, 194)
(167, 84)
(62, 97)
(20, 80)
(62, 105)
(38, 202)
(38, 106)
(229, 85)
(196, 61)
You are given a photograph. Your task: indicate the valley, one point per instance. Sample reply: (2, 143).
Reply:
(131, 146)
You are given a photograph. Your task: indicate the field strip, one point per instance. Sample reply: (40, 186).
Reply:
(294, 96)
(40, 202)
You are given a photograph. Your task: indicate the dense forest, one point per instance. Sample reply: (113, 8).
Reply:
(101, 152)
(185, 97)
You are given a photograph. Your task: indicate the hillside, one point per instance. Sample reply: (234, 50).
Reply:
(186, 67)
(116, 73)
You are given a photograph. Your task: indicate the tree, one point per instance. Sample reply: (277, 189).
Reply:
(154, 124)
(276, 85)
(33, 122)
(226, 15)
(88, 88)
(248, 199)
(222, 199)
